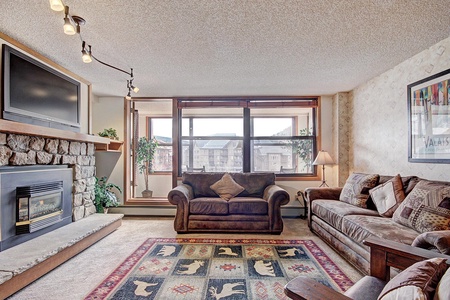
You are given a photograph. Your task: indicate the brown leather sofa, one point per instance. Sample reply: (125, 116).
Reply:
(255, 210)
(344, 226)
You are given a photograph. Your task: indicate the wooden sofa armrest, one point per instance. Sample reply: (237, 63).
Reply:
(303, 288)
(385, 254)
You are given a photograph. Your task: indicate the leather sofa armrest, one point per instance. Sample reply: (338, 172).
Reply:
(434, 240)
(326, 193)
(180, 197)
(275, 193)
(385, 254)
(331, 193)
(183, 192)
(275, 197)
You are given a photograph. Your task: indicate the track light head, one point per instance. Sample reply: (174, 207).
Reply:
(68, 27)
(135, 88)
(85, 55)
(128, 96)
(56, 5)
(130, 84)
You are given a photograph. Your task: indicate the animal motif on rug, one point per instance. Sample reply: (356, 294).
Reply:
(141, 286)
(227, 290)
(264, 269)
(166, 250)
(191, 268)
(290, 252)
(227, 251)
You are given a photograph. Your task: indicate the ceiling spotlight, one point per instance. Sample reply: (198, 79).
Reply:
(56, 5)
(68, 27)
(128, 97)
(85, 55)
(131, 86)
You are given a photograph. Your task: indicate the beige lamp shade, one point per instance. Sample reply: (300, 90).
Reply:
(323, 158)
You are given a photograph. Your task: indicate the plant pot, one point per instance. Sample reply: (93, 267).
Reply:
(147, 193)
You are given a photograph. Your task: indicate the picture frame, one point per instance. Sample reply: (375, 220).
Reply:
(429, 119)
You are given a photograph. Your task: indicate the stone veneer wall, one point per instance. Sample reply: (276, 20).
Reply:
(23, 150)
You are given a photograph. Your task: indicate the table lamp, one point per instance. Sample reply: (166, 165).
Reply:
(323, 158)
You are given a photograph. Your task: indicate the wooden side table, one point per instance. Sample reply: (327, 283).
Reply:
(303, 288)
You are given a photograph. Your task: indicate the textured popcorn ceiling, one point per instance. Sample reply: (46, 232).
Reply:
(213, 47)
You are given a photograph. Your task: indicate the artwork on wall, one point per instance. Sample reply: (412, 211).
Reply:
(429, 119)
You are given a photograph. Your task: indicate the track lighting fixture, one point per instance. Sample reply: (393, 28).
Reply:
(128, 96)
(56, 5)
(86, 55)
(68, 27)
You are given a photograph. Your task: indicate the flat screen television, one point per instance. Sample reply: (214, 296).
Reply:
(36, 94)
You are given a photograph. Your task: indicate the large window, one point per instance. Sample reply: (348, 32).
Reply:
(251, 136)
(161, 130)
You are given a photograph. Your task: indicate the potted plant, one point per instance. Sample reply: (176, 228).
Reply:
(109, 133)
(105, 196)
(145, 154)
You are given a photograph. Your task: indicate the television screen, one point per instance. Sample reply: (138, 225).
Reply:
(37, 94)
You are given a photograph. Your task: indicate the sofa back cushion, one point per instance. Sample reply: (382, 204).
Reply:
(253, 183)
(420, 210)
(356, 188)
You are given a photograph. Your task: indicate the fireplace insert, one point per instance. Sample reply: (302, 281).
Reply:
(38, 206)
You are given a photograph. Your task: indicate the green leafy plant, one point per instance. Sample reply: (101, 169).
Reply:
(145, 153)
(304, 148)
(109, 133)
(105, 195)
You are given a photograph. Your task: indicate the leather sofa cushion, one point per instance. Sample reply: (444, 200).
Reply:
(333, 212)
(208, 206)
(201, 182)
(359, 228)
(248, 206)
(253, 183)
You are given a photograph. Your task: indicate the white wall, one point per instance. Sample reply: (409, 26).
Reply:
(108, 112)
(379, 125)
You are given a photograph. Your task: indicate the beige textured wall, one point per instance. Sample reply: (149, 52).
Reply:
(379, 124)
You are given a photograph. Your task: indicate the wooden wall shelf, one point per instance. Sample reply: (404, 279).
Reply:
(27, 129)
(113, 146)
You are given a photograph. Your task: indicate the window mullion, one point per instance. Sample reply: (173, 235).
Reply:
(246, 149)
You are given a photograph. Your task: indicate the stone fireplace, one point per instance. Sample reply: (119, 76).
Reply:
(39, 155)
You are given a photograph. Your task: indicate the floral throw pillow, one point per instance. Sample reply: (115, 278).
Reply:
(421, 206)
(226, 187)
(356, 188)
(388, 196)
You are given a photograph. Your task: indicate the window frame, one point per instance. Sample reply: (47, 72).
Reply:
(247, 103)
(150, 135)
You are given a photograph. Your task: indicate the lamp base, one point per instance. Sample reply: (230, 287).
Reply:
(324, 184)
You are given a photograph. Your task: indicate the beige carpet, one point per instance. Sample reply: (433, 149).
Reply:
(78, 276)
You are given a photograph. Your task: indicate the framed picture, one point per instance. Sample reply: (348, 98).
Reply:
(429, 119)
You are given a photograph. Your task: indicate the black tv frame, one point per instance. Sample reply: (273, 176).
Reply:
(30, 117)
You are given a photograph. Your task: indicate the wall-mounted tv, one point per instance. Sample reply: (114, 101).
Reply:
(36, 94)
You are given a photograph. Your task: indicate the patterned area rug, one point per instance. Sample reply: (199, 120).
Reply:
(218, 269)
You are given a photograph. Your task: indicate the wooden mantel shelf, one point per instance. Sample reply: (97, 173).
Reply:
(27, 129)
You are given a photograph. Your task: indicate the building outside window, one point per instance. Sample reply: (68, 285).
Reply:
(280, 140)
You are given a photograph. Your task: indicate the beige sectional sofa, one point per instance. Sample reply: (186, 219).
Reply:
(421, 218)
